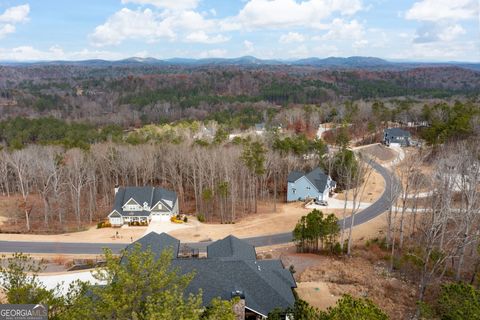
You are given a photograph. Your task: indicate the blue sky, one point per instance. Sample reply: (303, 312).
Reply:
(418, 30)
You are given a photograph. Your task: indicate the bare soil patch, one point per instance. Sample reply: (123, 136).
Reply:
(374, 187)
(326, 279)
(265, 222)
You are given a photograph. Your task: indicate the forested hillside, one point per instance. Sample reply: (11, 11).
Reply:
(133, 94)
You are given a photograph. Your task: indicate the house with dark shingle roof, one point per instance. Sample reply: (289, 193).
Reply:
(143, 204)
(230, 270)
(312, 185)
(396, 136)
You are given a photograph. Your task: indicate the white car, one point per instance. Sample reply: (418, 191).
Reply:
(321, 202)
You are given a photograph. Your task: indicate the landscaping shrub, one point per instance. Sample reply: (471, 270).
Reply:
(201, 217)
(104, 224)
(337, 248)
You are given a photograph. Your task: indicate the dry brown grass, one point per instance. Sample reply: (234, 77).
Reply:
(374, 187)
(60, 260)
(364, 275)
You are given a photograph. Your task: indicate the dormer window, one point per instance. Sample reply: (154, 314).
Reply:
(132, 205)
(146, 207)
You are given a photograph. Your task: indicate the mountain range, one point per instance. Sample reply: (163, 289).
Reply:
(356, 62)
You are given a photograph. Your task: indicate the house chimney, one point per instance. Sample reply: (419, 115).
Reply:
(239, 307)
(116, 188)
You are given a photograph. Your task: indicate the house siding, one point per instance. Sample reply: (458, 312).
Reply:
(302, 189)
(131, 211)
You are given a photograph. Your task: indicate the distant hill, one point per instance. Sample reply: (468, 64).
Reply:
(357, 62)
(350, 62)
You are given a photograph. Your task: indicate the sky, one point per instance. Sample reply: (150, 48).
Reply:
(405, 30)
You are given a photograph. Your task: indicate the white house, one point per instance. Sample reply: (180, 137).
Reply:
(143, 204)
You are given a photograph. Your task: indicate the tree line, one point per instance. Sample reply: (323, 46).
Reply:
(432, 225)
(222, 182)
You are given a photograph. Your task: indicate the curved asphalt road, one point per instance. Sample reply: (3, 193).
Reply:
(377, 208)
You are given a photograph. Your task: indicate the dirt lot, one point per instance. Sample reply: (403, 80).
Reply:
(264, 223)
(426, 171)
(322, 280)
(374, 187)
(380, 153)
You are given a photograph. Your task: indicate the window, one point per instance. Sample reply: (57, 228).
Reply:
(308, 188)
(294, 190)
(132, 207)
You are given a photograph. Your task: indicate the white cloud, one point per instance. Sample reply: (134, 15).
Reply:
(202, 37)
(360, 44)
(12, 16)
(249, 47)
(6, 29)
(291, 37)
(440, 19)
(167, 4)
(191, 20)
(341, 30)
(288, 13)
(132, 24)
(175, 21)
(440, 31)
(15, 14)
(214, 53)
(438, 51)
(152, 25)
(435, 10)
(449, 33)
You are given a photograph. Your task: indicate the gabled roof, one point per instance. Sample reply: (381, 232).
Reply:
(115, 213)
(318, 178)
(295, 175)
(139, 194)
(157, 243)
(132, 202)
(231, 248)
(164, 194)
(231, 266)
(397, 132)
(263, 288)
(150, 195)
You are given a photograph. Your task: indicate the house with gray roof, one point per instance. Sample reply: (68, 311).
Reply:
(231, 270)
(396, 136)
(143, 204)
(311, 185)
